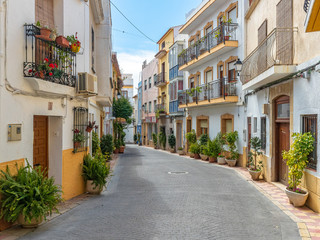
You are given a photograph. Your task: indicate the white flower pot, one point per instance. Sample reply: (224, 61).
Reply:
(254, 174)
(203, 157)
(221, 160)
(231, 163)
(32, 224)
(297, 199)
(92, 188)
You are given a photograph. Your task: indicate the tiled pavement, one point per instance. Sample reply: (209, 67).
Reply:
(308, 221)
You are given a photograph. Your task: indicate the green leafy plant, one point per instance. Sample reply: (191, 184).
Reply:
(79, 136)
(191, 136)
(139, 137)
(122, 138)
(204, 150)
(254, 153)
(231, 139)
(180, 148)
(122, 108)
(95, 169)
(117, 144)
(95, 142)
(162, 139)
(106, 144)
(29, 192)
(297, 158)
(195, 148)
(172, 141)
(214, 148)
(192, 91)
(135, 138)
(203, 139)
(155, 139)
(221, 141)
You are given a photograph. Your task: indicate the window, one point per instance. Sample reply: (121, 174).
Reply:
(231, 71)
(309, 124)
(283, 110)
(180, 85)
(163, 45)
(202, 125)
(255, 123)
(124, 94)
(191, 42)
(44, 12)
(263, 133)
(175, 90)
(149, 82)
(192, 83)
(232, 14)
(150, 107)
(154, 105)
(155, 79)
(92, 51)
(208, 76)
(80, 122)
(227, 123)
(145, 108)
(208, 30)
(145, 84)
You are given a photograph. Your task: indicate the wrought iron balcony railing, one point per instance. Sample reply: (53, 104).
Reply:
(174, 107)
(161, 108)
(161, 79)
(174, 73)
(276, 49)
(224, 32)
(306, 5)
(47, 60)
(216, 89)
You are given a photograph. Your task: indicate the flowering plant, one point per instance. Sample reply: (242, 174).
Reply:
(90, 126)
(79, 136)
(75, 44)
(47, 69)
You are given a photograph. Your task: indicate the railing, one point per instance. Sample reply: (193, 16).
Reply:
(161, 108)
(161, 79)
(224, 32)
(216, 89)
(174, 107)
(276, 49)
(306, 5)
(174, 72)
(47, 60)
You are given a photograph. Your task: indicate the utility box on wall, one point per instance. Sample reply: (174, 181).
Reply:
(14, 132)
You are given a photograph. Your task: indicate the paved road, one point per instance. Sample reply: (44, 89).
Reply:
(143, 201)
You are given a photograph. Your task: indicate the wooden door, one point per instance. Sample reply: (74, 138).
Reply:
(249, 133)
(283, 143)
(40, 142)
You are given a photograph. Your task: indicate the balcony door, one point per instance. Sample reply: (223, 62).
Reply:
(163, 70)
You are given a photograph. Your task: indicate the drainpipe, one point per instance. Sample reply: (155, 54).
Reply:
(3, 8)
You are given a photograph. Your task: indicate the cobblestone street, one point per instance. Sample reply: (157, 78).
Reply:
(144, 201)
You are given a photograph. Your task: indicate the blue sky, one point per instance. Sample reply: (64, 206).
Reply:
(154, 18)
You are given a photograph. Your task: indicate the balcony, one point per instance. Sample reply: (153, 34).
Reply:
(216, 92)
(270, 61)
(174, 73)
(161, 80)
(161, 108)
(174, 108)
(218, 41)
(312, 22)
(46, 61)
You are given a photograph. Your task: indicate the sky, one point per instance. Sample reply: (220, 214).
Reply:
(154, 18)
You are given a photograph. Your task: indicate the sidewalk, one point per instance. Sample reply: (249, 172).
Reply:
(307, 220)
(16, 231)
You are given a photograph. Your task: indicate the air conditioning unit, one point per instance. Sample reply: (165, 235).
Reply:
(87, 83)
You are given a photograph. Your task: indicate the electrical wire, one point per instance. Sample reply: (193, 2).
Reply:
(131, 22)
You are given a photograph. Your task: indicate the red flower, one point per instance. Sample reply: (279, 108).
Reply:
(76, 131)
(30, 70)
(50, 73)
(46, 60)
(51, 65)
(55, 65)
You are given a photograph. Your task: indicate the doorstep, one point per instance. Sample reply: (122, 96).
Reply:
(16, 231)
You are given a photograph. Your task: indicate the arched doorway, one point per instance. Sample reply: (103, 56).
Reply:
(282, 136)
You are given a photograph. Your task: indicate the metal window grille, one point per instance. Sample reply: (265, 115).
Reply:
(80, 123)
(309, 124)
(263, 133)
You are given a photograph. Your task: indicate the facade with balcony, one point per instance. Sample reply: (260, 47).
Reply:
(280, 76)
(150, 100)
(212, 93)
(40, 79)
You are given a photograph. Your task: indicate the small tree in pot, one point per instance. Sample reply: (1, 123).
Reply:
(172, 143)
(231, 139)
(106, 145)
(221, 141)
(155, 140)
(297, 160)
(162, 140)
(191, 138)
(214, 148)
(255, 167)
(180, 151)
(195, 149)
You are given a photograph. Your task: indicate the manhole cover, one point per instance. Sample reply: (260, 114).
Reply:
(177, 172)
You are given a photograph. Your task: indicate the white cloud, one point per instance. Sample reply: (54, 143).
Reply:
(131, 63)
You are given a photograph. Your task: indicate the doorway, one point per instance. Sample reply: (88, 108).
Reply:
(282, 136)
(40, 142)
(249, 133)
(179, 134)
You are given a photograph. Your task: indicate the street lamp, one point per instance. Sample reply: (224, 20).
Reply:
(238, 66)
(119, 95)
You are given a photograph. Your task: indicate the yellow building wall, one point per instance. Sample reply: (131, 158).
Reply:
(72, 181)
(312, 184)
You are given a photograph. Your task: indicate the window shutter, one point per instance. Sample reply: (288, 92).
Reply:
(44, 12)
(262, 31)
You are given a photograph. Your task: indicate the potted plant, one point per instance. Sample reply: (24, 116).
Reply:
(193, 93)
(297, 160)
(122, 142)
(172, 143)
(214, 149)
(195, 149)
(191, 138)
(155, 140)
(162, 140)
(79, 138)
(45, 31)
(75, 44)
(106, 145)
(62, 41)
(95, 172)
(135, 138)
(231, 139)
(139, 139)
(221, 141)
(28, 196)
(255, 168)
(116, 146)
(204, 152)
(90, 126)
(180, 151)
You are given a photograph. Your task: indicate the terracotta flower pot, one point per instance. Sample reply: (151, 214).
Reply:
(26, 224)
(226, 38)
(45, 32)
(203, 157)
(191, 155)
(62, 41)
(77, 144)
(121, 150)
(231, 163)
(172, 150)
(212, 159)
(88, 129)
(297, 199)
(92, 188)
(254, 174)
(197, 156)
(116, 151)
(221, 160)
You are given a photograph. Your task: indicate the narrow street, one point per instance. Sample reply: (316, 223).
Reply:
(143, 201)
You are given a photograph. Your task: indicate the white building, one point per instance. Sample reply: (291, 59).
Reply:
(40, 110)
(127, 92)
